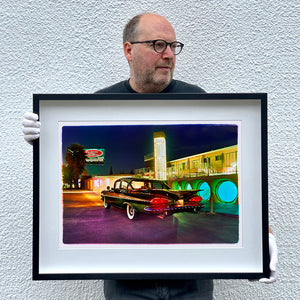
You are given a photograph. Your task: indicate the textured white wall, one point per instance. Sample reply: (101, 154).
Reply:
(75, 46)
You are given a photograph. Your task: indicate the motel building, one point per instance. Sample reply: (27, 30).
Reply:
(214, 173)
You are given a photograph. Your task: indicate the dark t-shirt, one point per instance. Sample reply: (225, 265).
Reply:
(176, 86)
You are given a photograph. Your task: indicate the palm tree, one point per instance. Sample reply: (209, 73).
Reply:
(67, 175)
(75, 158)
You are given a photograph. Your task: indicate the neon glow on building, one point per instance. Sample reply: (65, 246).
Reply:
(160, 156)
(219, 161)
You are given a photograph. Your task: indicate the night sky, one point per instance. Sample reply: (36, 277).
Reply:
(126, 145)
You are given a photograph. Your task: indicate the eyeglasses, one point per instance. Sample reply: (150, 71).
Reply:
(160, 46)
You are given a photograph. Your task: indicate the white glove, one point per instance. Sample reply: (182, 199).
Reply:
(31, 127)
(273, 260)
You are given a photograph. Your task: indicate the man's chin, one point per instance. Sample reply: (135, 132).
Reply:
(154, 84)
(160, 86)
(163, 80)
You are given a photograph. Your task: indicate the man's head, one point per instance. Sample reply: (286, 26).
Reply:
(150, 71)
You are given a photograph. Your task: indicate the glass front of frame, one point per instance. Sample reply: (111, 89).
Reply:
(160, 187)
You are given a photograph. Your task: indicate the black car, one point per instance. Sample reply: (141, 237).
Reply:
(149, 196)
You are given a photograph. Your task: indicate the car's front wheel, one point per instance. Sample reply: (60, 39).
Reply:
(130, 212)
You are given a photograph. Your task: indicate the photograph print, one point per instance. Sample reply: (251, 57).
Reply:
(150, 183)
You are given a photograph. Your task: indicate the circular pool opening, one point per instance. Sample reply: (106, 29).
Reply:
(185, 185)
(226, 191)
(204, 188)
(176, 186)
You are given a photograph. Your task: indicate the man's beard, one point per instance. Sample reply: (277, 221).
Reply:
(151, 82)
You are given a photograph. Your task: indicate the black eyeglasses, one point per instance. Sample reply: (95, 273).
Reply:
(160, 46)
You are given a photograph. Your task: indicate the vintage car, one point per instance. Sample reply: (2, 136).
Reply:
(149, 196)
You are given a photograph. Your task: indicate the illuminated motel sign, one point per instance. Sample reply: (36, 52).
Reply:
(95, 156)
(160, 156)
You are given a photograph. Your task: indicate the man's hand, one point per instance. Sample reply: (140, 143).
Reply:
(31, 127)
(273, 260)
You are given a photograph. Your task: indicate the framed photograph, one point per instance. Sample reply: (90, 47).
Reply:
(150, 186)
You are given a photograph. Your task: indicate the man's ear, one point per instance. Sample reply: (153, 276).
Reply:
(127, 47)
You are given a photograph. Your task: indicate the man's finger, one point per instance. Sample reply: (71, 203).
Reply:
(30, 131)
(30, 138)
(29, 123)
(31, 116)
(267, 280)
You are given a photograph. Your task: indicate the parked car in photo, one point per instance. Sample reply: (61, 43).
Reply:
(137, 195)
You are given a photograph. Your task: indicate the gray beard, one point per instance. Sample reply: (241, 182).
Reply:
(149, 85)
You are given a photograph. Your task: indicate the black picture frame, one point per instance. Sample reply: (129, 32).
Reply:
(54, 261)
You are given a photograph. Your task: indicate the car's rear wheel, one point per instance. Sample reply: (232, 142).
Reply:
(106, 205)
(130, 212)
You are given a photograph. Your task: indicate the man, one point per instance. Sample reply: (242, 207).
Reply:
(150, 48)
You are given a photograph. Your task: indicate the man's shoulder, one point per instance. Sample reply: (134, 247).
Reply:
(120, 87)
(178, 86)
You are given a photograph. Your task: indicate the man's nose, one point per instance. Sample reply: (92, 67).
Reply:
(168, 52)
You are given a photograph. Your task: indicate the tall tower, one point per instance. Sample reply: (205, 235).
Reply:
(160, 155)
